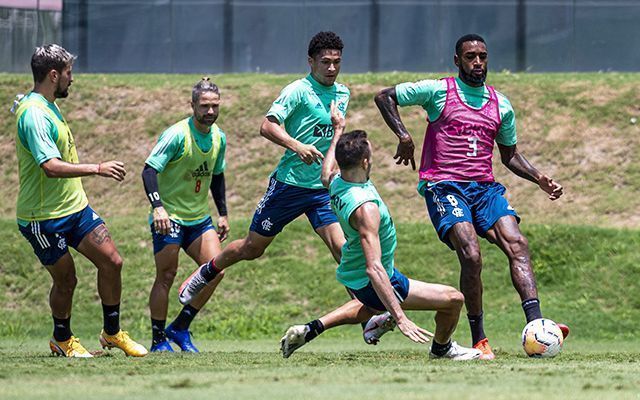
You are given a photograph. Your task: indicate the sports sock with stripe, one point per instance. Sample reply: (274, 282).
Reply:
(183, 320)
(209, 271)
(61, 329)
(531, 309)
(157, 330)
(440, 349)
(111, 318)
(315, 328)
(476, 325)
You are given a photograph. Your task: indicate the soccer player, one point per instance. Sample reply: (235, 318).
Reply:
(367, 265)
(53, 211)
(188, 159)
(465, 117)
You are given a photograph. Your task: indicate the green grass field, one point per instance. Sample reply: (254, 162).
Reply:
(584, 250)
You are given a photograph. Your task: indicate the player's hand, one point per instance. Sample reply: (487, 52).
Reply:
(161, 221)
(553, 189)
(112, 169)
(337, 119)
(223, 228)
(309, 154)
(404, 152)
(414, 332)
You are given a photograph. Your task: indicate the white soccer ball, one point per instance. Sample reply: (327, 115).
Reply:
(542, 338)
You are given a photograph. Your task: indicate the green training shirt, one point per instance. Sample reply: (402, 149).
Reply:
(346, 197)
(304, 108)
(43, 134)
(431, 95)
(186, 159)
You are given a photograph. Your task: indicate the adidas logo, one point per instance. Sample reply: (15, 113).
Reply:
(318, 106)
(95, 216)
(202, 170)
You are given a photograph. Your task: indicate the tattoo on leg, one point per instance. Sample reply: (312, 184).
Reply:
(100, 235)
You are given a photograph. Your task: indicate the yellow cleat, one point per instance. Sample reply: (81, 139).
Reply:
(69, 348)
(122, 341)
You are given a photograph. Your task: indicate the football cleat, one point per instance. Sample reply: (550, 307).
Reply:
(377, 326)
(122, 341)
(181, 338)
(293, 339)
(69, 348)
(485, 349)
(459, 353)
(161, 347)
(192, 286)
(564, 329)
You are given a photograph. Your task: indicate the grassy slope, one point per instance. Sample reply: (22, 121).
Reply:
(587, 278)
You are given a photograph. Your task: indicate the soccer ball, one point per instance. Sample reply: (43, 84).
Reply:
(542, 338)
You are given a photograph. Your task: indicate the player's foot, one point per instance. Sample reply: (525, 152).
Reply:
(483, 346)
(122, 341)
(181, 338)
(192, 286)
(161, 347)
(377, 326)
(293, 339)
(564, 329)
(459, 353)
(69, 348)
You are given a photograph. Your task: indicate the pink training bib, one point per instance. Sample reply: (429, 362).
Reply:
(458, 146)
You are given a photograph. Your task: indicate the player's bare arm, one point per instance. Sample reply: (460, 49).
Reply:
(329, 166)
(56, 168)
(366, 219)
(519, 165)
(387, 103)
(273, 131)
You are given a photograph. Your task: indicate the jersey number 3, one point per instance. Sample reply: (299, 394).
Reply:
(473, 145)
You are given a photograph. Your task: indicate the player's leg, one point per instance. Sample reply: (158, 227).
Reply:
(333, 237)
(447, 203)
(280, 205)
(95, 242)
(296, 336)
(49, 243)
(202, 245)
(166, 261)
(447, 302)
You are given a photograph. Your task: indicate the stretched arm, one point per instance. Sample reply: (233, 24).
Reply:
(329, 166)
(519, 165)
(272, 130)
(56, 168)
(387, 102)
(218, 192)
(366, 219)
(161, 222)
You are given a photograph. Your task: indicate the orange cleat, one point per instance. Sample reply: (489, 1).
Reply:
(483, 346)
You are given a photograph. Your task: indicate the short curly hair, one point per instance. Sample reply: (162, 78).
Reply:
(352, 147)
(324, 40)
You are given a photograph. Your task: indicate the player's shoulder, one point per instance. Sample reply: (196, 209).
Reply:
(175, 131)
(503, 100)
(341, 88)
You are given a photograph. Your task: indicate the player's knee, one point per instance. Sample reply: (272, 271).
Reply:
(455, 299)
(471, 258)
(252, 251)
(67, 283)
(115, 261)
(518, 246)
(167, 277)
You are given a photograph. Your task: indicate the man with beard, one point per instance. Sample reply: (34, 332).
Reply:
(188, 158)
(53, 211)
(456, 179)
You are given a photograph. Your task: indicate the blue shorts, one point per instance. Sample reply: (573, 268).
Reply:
(180, 234)
(282, 203)
(368, 296)
(50, 238)
(480, 203)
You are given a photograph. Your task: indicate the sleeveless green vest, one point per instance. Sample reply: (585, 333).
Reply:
(184, 183)
(41, 197)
